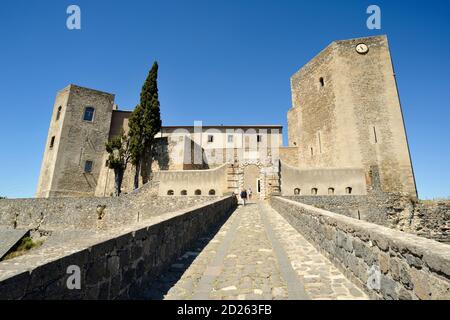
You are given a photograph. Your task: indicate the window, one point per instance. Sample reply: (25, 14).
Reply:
(230, 138)
(322, 82)
(212, 192)
(88, 166)
(52, 142)
(348, 190)
(198, 192)
(170, 193)
(312, 152)
(183, 192)
(330, 190)
(210, 138)
(296, 191)
(89, 114)
(258, 138)
(58, 113)
(314, 191)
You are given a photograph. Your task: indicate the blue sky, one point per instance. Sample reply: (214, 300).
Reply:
(221, 61)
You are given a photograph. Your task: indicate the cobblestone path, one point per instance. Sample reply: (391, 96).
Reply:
(256, 254)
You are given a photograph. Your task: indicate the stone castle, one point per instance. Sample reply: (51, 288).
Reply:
(342, 218)
(345, 130)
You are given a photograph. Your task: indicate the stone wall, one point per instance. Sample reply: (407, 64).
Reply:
(205, 181)
(119, 264)
(430, 219)
(410, 267)
(91, 213)
(325, 180)
(75, 142)
(289, 155)
(346, 113)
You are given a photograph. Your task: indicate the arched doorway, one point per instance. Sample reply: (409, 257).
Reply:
(251, 179)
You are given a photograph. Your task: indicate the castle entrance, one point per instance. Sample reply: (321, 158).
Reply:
(251, 179)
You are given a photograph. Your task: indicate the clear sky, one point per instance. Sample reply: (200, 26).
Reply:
(221, 61)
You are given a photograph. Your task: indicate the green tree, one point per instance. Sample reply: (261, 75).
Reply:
(144, 124)
(119, 156)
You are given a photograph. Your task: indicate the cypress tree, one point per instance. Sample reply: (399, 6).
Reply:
(144, 124)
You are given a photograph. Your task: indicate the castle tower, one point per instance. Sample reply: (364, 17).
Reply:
(346, 113)
(79, 129)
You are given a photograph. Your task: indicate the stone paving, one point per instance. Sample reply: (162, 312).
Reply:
(256, 254)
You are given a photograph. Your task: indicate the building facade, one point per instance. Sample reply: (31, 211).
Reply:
(345, 136)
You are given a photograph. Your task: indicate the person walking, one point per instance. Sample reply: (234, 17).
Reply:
(249, 193)
(243, 196)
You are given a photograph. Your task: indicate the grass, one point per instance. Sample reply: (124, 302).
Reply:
(25, 245)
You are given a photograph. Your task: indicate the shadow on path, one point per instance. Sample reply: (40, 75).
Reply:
(160, 287)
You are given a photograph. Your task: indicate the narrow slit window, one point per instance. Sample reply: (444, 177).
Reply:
(58, 113)
(322, 82)
(375, 138)
(52, 142)
(348, 190)
(312, 151)
(210, 138)
(320, 142)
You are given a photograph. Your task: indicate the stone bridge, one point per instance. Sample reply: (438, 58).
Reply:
(275, 249)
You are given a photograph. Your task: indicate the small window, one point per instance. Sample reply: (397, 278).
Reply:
(230, 138)
(212, 192)
(322, 82)
(330, 190)
(348, 190)
(52, 142)
(258, 138)
(58, 113)
(170, 193)
(183, 192)
(312, 152)
(198, 192)
(88, 166)
(314, 191)
(210, 138)
(297, 191)
(89, 114)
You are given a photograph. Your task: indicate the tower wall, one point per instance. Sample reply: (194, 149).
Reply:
(346, 113)
(76, 141)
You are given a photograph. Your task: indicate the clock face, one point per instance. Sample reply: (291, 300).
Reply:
(362, 48)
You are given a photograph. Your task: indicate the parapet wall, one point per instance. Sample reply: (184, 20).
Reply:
(91, 213)
(324, 180)
(119, 264)
(429, 219)
(190, 181)
(410, 267)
